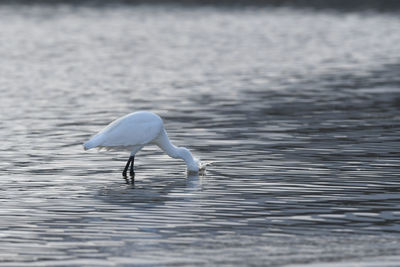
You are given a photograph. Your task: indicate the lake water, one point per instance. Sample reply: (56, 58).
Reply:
(298, 110)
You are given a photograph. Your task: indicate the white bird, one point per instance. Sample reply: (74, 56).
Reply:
(132, 132)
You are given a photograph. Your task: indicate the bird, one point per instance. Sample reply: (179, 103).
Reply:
(134, 131)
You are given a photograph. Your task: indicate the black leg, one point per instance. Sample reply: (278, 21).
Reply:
(132, 172)
(126, 167)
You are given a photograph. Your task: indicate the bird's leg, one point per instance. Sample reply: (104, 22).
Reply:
(132, 172)
(126, 167)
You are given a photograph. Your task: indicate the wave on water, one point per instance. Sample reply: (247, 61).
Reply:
(388, 5)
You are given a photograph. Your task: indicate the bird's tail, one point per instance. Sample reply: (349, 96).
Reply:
(87, 145)
(90, 144)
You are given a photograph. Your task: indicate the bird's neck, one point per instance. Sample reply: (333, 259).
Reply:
(166, 145)
(176, 152)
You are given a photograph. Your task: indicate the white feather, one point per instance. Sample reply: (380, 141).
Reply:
(136, 130)
(132, 130)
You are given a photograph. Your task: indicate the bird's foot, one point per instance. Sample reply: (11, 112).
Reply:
(130, 181)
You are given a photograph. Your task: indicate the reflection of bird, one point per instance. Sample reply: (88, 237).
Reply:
(132, 132)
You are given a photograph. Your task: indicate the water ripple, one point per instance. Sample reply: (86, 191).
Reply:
(297, 109)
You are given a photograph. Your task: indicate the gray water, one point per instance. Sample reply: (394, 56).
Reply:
(298, 110)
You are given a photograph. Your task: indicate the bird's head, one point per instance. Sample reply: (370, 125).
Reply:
(191, 163)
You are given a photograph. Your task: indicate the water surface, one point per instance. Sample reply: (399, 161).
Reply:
(298, 109)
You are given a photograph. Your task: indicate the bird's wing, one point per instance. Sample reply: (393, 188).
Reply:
(128, 132)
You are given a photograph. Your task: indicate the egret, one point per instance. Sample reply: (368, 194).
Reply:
(132, 132)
